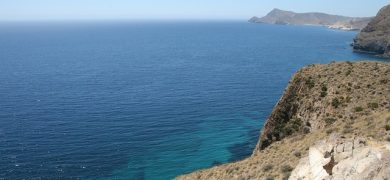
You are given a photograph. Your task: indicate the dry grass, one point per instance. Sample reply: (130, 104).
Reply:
(362, 108)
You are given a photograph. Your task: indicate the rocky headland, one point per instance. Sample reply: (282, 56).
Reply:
(375, 37)
(332, 122)
(277, 16)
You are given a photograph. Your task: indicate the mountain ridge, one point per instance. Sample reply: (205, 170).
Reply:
(282, 17)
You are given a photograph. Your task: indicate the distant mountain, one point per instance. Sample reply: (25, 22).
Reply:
(375, 37)
(277, 16)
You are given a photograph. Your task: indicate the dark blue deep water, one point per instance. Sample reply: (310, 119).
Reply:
(152, 100)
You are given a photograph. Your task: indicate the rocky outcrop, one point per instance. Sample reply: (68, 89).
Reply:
(351, 99)
(375, 37)
(319, 95)
(345, 159)
(277, 16)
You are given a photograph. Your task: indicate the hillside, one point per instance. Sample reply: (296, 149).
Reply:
(277, 16)
(375, 38)
(326, 114)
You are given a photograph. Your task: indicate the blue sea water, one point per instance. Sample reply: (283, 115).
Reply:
(144, 100)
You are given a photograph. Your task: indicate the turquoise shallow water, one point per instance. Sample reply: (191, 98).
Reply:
(144, 100)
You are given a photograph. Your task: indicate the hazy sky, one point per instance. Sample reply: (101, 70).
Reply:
(176, 9)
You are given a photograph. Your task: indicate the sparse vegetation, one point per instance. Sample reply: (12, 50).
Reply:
(267, 167)
(351, 112)
(330, 121)
(387, 127)
(348, 72)
(286, 176)
(358, 109)
(383, 81)
(324, 88)
(335, 102)
(286, 168)
(306, 130)
(373, 105)
(310, 82)
(297, 154)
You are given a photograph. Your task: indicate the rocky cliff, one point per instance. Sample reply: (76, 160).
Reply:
(375, 37)
(349, 99)
(277, 16)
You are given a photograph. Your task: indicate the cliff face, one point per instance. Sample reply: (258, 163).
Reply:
(346, 98)
(375, 37)
(278, 16)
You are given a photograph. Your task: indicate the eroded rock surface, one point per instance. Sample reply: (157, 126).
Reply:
(339, 158)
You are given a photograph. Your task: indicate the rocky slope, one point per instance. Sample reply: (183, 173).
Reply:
(375, 38)
(351, 99)
(278, 16)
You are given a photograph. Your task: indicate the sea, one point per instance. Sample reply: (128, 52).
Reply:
(145, 100)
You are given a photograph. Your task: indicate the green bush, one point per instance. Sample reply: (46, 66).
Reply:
(335, 102)
(329, 121)
(324, 88)
(358, 109)
(306, 130)
(373, 105)
(310, 82)
(323, 93)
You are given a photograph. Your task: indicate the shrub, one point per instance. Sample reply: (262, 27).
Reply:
(347, 129)
(310, 82)
(323, 93)
(297, 154)
(306, 130)
(324, 88)
(286, 176)
(383, 81)
(267, 167)
(373, 105)
(348, 72)
(329, 121)
(388, 139)
(348, 99)
(270, 178)
(387, 127)
(335, 102)
(286, 168)
(358, 109)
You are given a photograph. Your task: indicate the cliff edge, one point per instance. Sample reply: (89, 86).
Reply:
(375, 37)
(350, 100)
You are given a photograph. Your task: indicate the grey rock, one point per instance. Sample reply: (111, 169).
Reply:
(375, 37)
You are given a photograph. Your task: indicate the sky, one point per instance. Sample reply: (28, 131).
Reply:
(16, 10)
